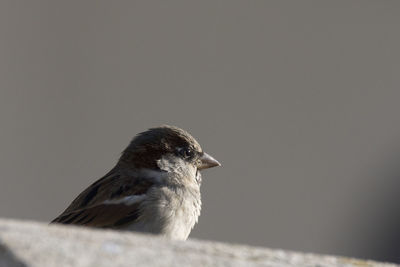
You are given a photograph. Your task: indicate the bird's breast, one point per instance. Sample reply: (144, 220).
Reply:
(181, 213)
(170, 211)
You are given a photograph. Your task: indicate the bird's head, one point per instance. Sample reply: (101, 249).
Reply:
(166, 148)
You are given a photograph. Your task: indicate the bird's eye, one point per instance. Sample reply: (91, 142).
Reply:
(186, 152)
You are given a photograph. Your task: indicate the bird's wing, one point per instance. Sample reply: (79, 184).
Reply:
(107, 215)
(112, 201)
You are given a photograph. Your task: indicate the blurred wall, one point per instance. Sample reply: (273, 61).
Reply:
(298, 99)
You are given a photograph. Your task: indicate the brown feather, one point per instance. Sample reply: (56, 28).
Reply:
(104, 215)
(89, 204)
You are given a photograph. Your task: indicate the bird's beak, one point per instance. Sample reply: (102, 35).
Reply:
(206, 161)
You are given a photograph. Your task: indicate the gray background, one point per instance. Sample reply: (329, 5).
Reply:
(298, 99)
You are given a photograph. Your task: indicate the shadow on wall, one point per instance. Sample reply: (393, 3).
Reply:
(381, 203)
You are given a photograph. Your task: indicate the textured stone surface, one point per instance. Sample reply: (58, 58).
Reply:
(38, 244)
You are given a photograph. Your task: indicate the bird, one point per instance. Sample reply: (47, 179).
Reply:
(153, 188)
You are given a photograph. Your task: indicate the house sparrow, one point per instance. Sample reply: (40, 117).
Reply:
(154, 187)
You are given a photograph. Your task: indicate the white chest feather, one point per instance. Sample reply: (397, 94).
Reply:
(186, 215)
(169, 212)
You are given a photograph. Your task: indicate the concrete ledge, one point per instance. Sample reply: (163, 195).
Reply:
(38, 244)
